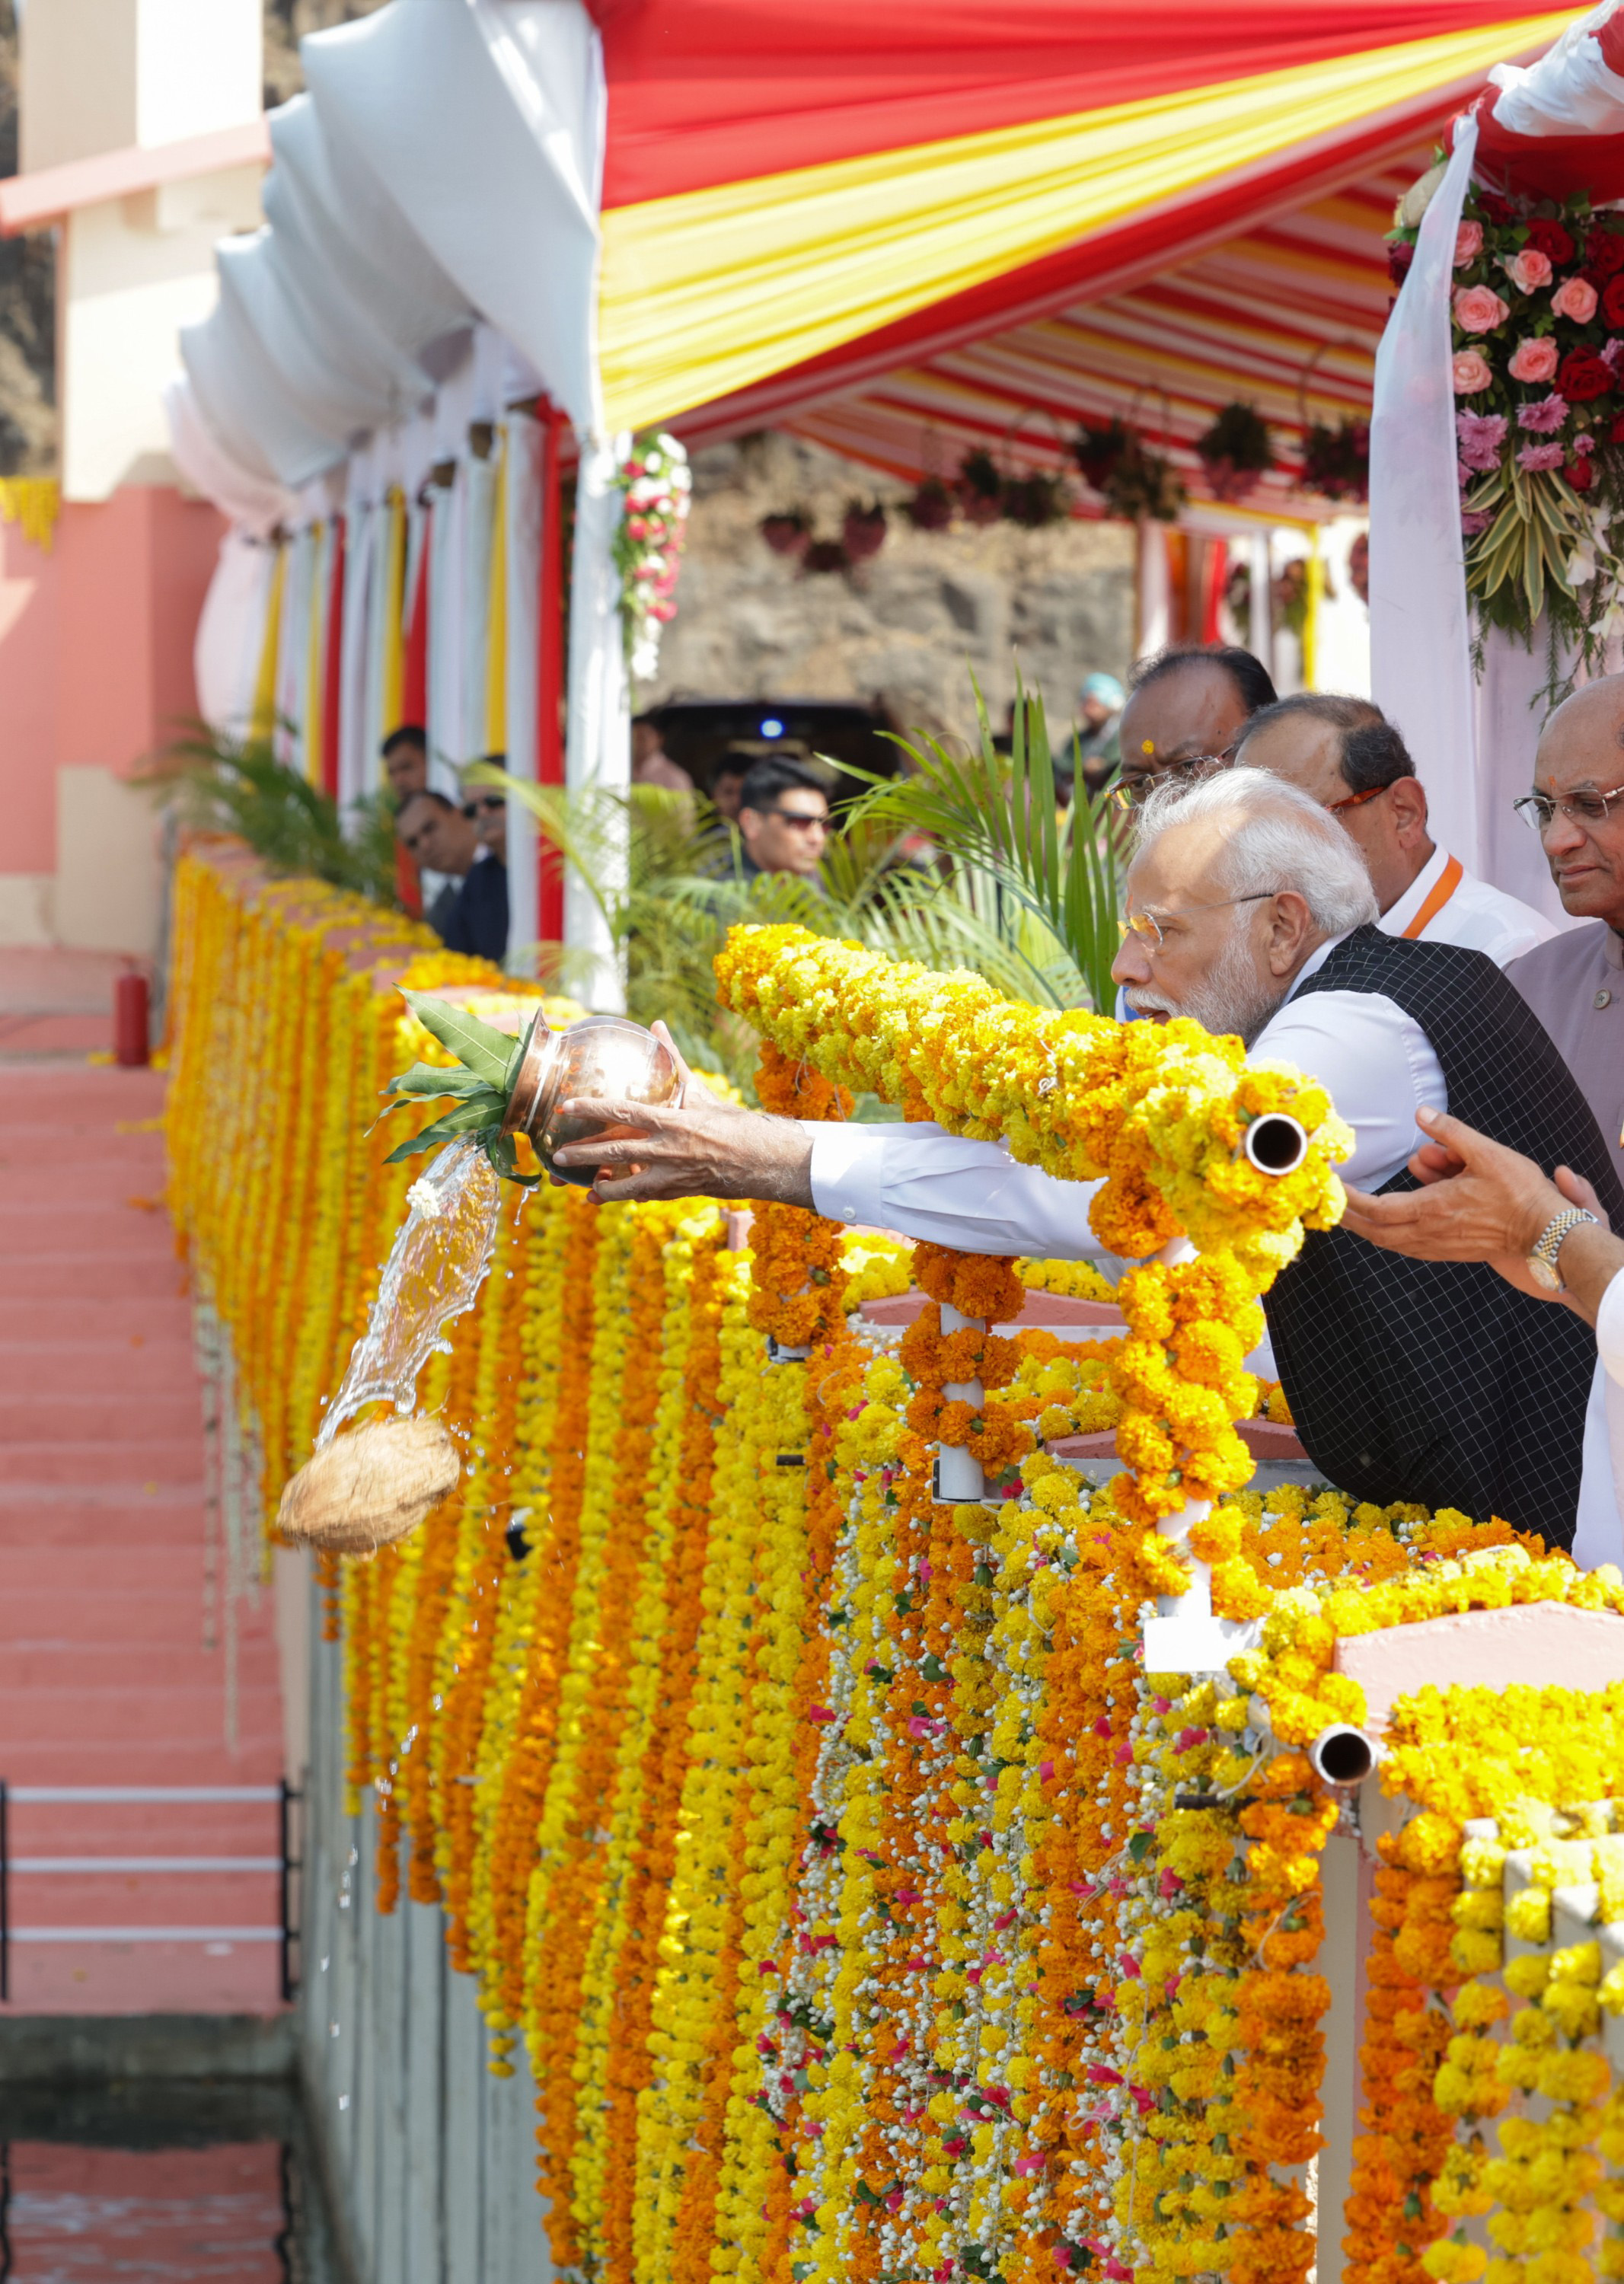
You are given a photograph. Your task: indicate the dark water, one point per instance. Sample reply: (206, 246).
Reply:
(165, 2182)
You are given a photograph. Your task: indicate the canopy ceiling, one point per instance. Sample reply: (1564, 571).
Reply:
(1287, 316)
(900, 228)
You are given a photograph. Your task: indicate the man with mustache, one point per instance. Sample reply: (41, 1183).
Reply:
(1251, 910)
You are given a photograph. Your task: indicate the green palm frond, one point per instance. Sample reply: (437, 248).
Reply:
(1048, 890)
(223, 784)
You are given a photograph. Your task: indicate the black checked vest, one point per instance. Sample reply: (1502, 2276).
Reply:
(1436, 1382)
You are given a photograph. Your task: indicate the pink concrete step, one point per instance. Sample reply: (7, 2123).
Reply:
(99, 1417)
(172, 1529)
(180, 1662)
(143, 1320)
(106, 1094)
(175, 1463)
(147, 1715)
(150, 1978)
(69, 1273)
(122, 1228)
(37, 1617)
(67, 1189)
(124, 1564)
(72, 1143)
(133, 1366)
(204, 1761)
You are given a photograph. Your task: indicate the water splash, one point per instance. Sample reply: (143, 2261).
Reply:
(434, 1271)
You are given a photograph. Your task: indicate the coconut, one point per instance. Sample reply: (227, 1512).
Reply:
(1419, 196)
(371, 1487)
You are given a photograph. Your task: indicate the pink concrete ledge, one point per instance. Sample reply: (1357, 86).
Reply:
(1540, 1645)
(1055, 1312)
(30, 201)
(1262, 1437)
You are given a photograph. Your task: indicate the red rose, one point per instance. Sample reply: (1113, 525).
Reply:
(1401, 254)
(1603, 253)
(1582, 375)
(1550, 240)
(1493, 208)
(1612, 302)
(1581, 474)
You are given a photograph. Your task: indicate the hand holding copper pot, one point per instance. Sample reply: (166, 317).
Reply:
(566, 1079)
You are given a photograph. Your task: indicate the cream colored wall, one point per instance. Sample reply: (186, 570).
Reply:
(102, 75)
(108, 880)
(25, 903)
(131, 273)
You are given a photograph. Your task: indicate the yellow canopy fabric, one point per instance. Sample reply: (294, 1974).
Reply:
(706, 293)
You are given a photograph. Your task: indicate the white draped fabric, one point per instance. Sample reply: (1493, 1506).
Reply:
(522, 468)
(1420, 633)
(1474, 742)
(598, 753)
(231, 631)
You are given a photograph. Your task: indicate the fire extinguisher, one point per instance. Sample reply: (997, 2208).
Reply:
(130, 1020)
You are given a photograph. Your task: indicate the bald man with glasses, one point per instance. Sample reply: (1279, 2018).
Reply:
(1575, 982)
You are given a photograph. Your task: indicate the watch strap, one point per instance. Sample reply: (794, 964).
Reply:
(1551, 1239)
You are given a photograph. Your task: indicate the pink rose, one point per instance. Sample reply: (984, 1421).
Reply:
(1575, 298)
(1468, 243)
(1471, 369)
(1528, 270)
(1535, 360)
(1478, 309)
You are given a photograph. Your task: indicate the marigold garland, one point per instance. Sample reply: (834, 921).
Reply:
(828, 1843)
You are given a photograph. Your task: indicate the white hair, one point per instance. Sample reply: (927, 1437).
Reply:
(1278, 837)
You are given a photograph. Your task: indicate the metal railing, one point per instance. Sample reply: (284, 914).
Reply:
(284, 1864)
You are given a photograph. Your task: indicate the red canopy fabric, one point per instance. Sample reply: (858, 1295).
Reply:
(709, 91)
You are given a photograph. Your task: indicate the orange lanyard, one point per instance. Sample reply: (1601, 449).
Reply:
(1443, 887)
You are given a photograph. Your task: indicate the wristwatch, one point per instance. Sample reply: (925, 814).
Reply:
(1542, 1261)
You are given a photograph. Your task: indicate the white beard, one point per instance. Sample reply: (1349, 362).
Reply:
(1230, 996)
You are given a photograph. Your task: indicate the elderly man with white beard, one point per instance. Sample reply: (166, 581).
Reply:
(1250, 910)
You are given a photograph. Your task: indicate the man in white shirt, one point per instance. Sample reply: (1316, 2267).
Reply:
(1347, 755)
(1544, 1234)
(1251, 910)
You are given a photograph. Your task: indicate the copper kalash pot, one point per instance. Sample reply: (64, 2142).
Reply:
(603, 1056)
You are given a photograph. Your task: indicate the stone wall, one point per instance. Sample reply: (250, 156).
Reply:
(907, 627)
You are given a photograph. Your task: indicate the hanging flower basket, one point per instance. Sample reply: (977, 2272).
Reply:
(864, 531)
(824, 557)
(1037, 500)
(1236, 452)
(1098, 451)
(1336, 462)
(788, 532)
(1142, 486)
(981, 488)
(933, 507)
(655, 486)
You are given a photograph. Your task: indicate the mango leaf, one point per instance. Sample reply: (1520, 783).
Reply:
(469, 1118)
(481, 1048)
(428, 1080)
(487, 1103)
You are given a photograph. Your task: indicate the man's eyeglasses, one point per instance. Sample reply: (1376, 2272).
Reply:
(1353, 801)
(1147, 928)
(484, 804)
(1133, 792)
(796, 816)
(1538, 811)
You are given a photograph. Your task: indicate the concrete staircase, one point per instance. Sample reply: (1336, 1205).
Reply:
(113, 1638)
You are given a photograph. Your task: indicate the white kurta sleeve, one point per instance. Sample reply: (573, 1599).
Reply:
(1609, 1329)
(927, 1182)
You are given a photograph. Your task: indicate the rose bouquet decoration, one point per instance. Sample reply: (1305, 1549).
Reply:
(1537, 330)
(648, 542)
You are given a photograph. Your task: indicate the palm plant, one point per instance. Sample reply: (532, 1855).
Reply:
(1046, 890)
(223, 784)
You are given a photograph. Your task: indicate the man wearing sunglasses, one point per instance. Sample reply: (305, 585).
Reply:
(1345, 755)
(1575, 982)
(782, 819)
(1251, 911)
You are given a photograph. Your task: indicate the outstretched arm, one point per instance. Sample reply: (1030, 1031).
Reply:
(1480, 1202)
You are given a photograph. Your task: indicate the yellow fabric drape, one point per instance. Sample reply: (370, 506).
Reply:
(496, 625)
(262, 721)
(1313, 574)
(709, 291)
(314, 721)
(395, 615)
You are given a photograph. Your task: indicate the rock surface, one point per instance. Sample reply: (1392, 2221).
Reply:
(906, 628)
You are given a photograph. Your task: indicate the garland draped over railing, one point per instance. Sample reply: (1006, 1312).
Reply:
(865, 1910)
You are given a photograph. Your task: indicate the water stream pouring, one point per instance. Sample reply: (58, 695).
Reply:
(380, 1482)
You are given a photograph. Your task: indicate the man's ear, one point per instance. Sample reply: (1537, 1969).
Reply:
(1290, 927)
(1406, 797)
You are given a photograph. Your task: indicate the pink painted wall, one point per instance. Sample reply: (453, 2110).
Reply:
(96, 642)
